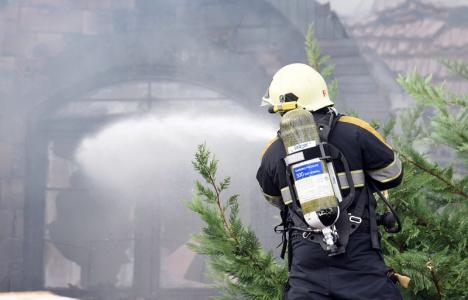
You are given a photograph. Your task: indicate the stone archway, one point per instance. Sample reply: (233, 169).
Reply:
(232, 56)
(53, 143)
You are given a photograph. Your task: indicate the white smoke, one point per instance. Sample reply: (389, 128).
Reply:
(147, 160)
(136, 154)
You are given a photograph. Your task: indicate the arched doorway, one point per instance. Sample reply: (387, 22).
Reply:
(211, 51)
(100, 230)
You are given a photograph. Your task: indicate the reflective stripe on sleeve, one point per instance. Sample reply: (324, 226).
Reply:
(387, 173)
(358, 179)
(268, 145)
(286, 194)
(273, 200)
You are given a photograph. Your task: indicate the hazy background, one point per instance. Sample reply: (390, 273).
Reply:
(102, 105)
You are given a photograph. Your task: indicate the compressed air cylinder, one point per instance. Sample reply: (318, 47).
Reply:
(312, 178)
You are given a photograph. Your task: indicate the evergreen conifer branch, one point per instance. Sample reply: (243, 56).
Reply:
(422, 90)
(432, 202)
(432, 170)
(450, 120)
(239, 265)
(321, 63)
(435, 279)
(459, 68)
(207, 169)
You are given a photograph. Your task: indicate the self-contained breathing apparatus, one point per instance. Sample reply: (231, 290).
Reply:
(314, 204)
(310, 175)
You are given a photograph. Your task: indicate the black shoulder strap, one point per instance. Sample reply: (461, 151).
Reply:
(327, 129)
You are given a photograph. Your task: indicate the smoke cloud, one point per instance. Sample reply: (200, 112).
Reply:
(134, 154)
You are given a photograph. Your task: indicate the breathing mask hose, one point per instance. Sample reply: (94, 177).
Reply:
(390, 207)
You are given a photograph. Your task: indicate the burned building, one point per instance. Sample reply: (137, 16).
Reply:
(101, 106)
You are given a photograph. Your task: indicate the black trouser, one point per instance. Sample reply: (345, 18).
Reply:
(358, 274)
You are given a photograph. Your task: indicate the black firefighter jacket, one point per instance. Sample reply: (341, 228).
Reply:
(360, 273)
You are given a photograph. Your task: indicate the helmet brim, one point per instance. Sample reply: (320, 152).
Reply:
(266, 100)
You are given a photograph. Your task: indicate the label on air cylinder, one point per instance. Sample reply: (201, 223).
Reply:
(312, 182)
(301, 146)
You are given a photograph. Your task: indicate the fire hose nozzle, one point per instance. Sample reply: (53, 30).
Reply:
(403, 280)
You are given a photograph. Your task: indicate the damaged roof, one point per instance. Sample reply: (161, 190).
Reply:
(411, 34)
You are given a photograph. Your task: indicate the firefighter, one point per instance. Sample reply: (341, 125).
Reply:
(358, 271)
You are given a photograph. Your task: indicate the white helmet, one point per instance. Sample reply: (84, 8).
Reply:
(305, 84)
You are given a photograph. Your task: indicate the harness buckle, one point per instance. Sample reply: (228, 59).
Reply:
(306, 234)
(355, 219)
(323, 153)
